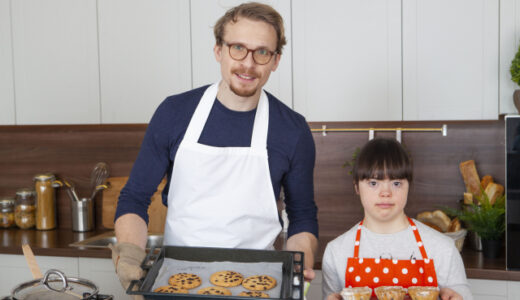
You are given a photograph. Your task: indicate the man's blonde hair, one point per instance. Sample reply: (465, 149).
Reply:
(254, 11)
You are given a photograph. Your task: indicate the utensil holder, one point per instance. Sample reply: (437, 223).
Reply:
(82, 215)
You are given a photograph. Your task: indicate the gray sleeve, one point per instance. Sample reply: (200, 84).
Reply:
(331, 280)
(457, 276)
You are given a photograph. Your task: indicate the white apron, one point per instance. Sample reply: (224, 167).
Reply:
(222, 196)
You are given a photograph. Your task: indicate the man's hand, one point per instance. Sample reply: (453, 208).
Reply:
(308, 274)
(127, 259)
(449, 294)
(308, 244)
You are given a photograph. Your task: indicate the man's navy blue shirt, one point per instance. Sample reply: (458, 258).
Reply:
(290, 149)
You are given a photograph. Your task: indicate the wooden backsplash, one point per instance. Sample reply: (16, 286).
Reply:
(71, 151)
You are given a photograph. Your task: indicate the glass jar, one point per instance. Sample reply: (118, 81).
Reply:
(45, 201)
(25, 208)
(6, 212)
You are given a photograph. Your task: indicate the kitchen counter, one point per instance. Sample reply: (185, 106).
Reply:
(56, 243)
(50, 242)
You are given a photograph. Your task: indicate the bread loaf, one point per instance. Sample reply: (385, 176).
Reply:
(468, 198)
(470, 176)
(428, 219)
(441, 219)
(485, 181)
(493, 191)
(454, 225)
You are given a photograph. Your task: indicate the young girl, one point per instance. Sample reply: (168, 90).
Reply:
(387, 248)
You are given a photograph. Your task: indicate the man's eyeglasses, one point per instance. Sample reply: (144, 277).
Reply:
(261, 56)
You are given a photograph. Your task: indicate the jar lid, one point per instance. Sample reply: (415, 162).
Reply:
(6, 202)
(44, 177)
(24, 192)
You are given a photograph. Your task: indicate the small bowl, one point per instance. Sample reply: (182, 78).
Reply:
(390, 292)
(423, 292)
(356, 293)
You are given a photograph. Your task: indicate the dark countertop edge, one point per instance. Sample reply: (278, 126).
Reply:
(56, 243)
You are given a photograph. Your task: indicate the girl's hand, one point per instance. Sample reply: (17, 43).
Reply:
(334, 297)
(449, 294)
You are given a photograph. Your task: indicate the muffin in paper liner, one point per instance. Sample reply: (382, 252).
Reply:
(423, 292)
(356, 293)
(390, 292)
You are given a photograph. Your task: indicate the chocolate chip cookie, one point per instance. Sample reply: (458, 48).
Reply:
(226, 278)
(254, 294)
(185, 280)
(170, 289)
(259, 283)
(214, 290)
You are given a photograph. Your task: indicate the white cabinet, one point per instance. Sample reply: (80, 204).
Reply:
(206, 70)
(347, 60)
(144, 49)
(6, 66)
(354, 64)
(101, 272)
(56, 72)
(18, 271)
(450, 59)
(509, 43)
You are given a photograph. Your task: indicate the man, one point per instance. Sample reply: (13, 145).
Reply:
(227, 150)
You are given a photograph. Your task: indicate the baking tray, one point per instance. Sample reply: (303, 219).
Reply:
(292, 269)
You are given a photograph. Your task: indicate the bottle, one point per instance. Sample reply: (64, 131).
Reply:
(6, 212)
(45, 201)
(25, 208)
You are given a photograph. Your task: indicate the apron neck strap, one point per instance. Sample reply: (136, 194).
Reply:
(415, 232)
(200, 116)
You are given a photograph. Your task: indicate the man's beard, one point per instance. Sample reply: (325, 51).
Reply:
(242, 92)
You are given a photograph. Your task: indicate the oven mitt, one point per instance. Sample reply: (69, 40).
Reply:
(127, 258)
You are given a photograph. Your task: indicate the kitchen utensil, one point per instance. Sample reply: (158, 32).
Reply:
(83, 215)
(71, 190)
(99, 188)
(56, 286)
(34, 289)
(98, 176)
(31, 261)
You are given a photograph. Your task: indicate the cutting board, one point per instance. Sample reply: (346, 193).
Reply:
(156, 210)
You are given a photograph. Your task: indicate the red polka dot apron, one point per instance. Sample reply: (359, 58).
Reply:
(374, 272)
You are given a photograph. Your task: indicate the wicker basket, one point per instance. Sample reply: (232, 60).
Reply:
(458, 237)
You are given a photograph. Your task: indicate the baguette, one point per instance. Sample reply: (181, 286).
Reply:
(470, 176)
(493, 191)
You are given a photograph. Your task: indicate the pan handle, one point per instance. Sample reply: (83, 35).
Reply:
(298, 280)
(150, 258)
(132, 290)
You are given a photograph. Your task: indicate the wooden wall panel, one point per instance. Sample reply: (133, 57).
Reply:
(437, 180)
(71, 151)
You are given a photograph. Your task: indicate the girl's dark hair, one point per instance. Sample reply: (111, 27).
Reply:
(382, 158)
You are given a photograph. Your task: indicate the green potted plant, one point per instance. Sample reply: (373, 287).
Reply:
(515, 77)
(487, 220)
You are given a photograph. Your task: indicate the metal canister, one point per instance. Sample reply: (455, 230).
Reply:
(45, 201)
